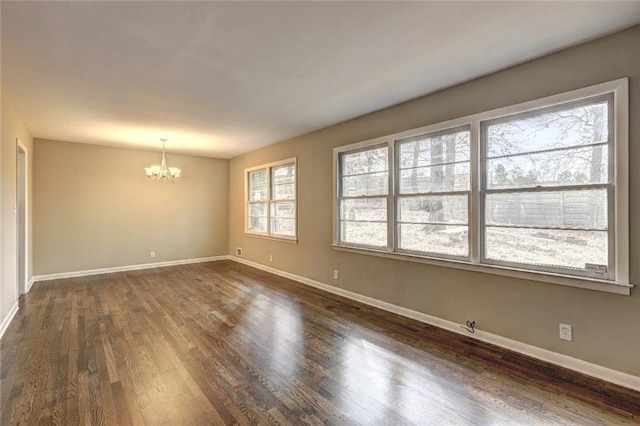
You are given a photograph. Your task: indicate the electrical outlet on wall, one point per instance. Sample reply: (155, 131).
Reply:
(270, 258)
(335, 274)
(566, 332)
(238, 251)
(152, 254)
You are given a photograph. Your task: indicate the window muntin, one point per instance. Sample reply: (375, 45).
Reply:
(363, 191)
(580, 180)
(271, 200)
(433, 193)
(547, 185)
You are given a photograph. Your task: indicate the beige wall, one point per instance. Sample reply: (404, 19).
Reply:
(12, 128)
(94, 208)
(605, 325)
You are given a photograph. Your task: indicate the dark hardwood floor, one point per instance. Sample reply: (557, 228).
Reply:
(222, 343)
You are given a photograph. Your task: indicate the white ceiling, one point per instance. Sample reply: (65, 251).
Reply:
(222, 78)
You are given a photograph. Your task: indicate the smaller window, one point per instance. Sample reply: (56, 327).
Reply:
(270, 194)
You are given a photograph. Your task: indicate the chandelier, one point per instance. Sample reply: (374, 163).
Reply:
(162, 173)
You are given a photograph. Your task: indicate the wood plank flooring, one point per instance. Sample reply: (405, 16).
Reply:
(221, 343)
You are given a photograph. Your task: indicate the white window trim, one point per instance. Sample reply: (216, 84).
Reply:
(268, 167)
(621, 285)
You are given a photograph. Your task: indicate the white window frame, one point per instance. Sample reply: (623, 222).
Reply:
(268, 168)
(341, 197)
(616, 282)
(398, 195)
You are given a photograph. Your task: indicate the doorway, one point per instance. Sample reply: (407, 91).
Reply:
(21, 213)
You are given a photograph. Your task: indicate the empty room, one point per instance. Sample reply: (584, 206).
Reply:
(372, 213)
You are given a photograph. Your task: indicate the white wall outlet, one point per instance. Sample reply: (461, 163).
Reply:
(270, 258)
(566, 332)
(152, 254)
(335, 274)
(238, 251)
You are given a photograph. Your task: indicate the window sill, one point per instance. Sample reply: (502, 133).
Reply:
(566, 280)
(291, 240)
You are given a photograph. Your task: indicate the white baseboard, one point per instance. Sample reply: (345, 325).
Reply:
(124, 268)
(7, 320)
(584, 367)
(29, 284)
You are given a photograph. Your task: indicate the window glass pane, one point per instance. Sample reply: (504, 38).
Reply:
(258, 185)
(364, 209)
(283, 226)
(432, 150)
(283, 174)
(434, 209)
(547, 247)
(450, 177)
(284, 191)
(435, 239)
(363, 185)
(258, 224)
(561, 128)
(586, 209)
(283, 182)
(574, 166)
(283, 209)
(369, 161)
(258, 209)
(363, 221)
(364, 233)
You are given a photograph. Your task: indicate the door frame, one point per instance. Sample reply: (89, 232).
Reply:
(22, 184)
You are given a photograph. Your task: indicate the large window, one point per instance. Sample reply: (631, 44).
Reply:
(547, 179)
(271, 200)
(537, 190)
